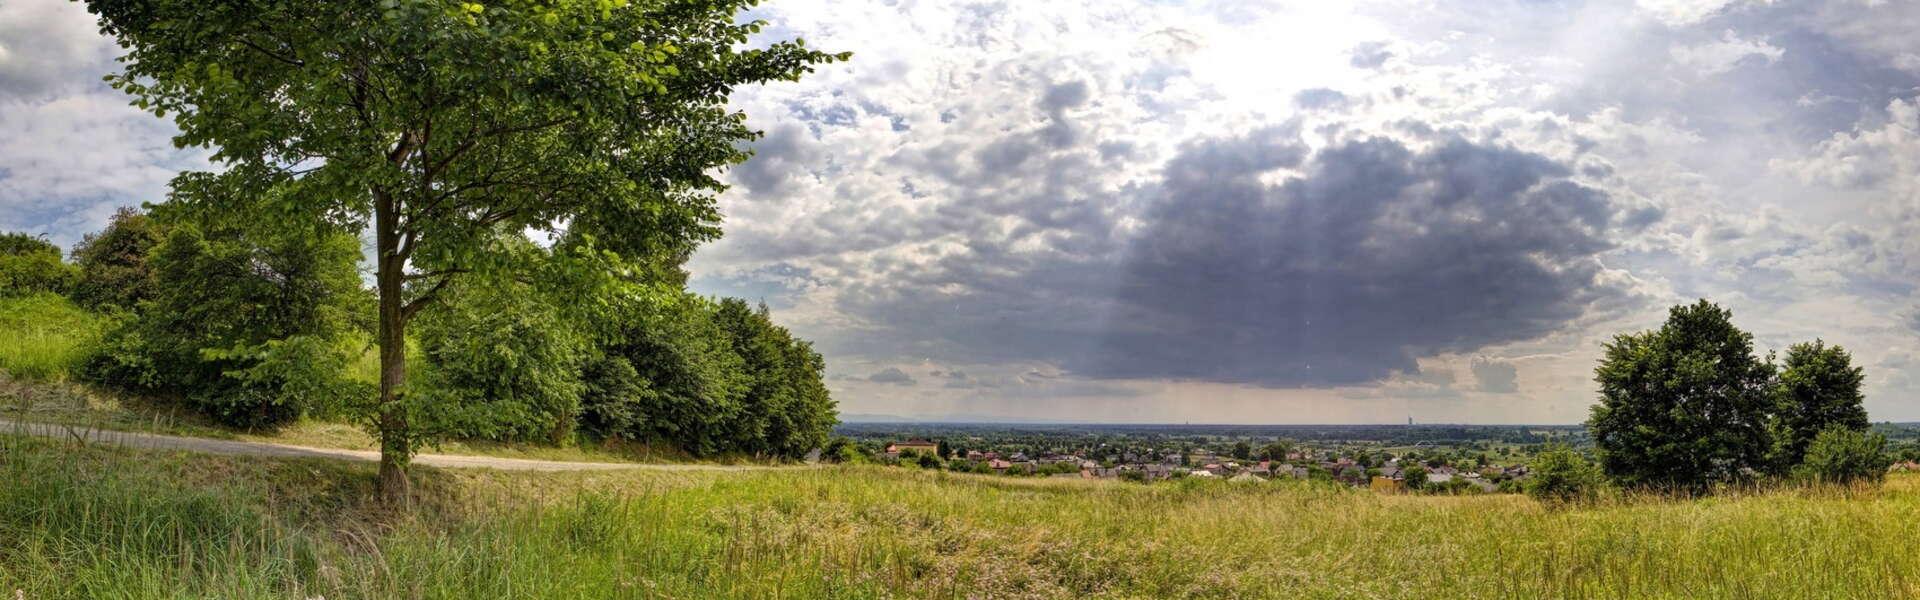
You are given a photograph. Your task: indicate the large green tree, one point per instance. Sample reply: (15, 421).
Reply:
(434, 125)
(1818, 388)
(1684, 406)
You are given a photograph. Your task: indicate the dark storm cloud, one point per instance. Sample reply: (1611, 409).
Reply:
(891, 375)
(1378, 255)
(778, 159)
(1374, 255)
(1495, 376)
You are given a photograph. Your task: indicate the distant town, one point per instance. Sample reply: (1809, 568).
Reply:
(1459, 459)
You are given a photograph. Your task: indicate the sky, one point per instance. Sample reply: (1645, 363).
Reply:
(1241, 211)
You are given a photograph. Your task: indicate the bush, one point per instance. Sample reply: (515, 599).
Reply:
(1414, 476)
(1559, 475)
(250, 329)
(30, 265)
(114, 270)
(282, 380)
(842, 449)
(1845, 455)
(502, 363)
(673, 378)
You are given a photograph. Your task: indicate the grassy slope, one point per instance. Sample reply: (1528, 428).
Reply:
(106, 523)
(43, 336)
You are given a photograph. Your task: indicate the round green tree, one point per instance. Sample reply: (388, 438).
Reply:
(1685, 406)
(1818, 389)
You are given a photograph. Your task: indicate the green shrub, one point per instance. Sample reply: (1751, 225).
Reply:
(1844, 455)
(1415, 477)
(501, 363)
(687, 387)
(248, 328)
(1559, 475)
(114, 269)
(30, 265)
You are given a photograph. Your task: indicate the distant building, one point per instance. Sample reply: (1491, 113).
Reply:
(1388, 485)
(916, 445)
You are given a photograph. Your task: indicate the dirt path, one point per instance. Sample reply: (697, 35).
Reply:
(213, 446)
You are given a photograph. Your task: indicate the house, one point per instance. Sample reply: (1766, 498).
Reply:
(1388, 485)
(999, 466)
(1157, 471)
(916, 445)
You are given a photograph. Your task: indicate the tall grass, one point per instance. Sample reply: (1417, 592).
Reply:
(44, 336)
(78, 523)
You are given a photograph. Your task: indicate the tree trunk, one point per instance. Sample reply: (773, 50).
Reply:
(395, 448)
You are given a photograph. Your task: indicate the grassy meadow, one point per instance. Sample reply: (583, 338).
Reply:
(91, 522)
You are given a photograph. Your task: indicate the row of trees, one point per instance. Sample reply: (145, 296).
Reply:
(258, 327)
(1689, 406)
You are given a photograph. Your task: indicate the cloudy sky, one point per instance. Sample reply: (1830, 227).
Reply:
(1242, 211)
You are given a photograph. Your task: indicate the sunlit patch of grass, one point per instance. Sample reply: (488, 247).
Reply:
(90, 522)
(44, 336)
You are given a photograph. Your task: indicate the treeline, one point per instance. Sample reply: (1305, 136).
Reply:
(1689, 408)
(257, 328)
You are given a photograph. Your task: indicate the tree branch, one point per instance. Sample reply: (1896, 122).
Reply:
(409, 309)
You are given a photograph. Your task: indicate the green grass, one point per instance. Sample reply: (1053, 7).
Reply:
(93, 523)
(44, 336)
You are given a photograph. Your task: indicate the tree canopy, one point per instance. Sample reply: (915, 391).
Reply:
(1684, 406)
(1818, 388)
